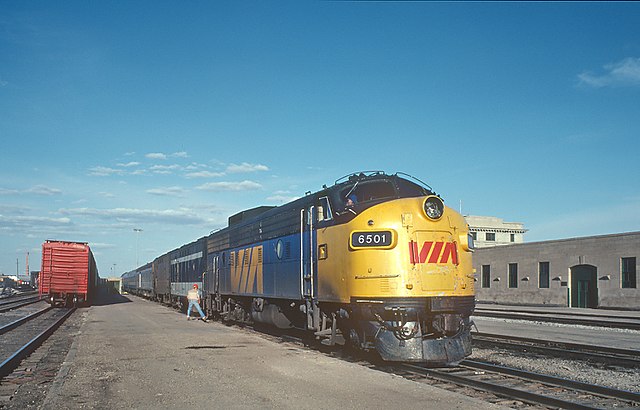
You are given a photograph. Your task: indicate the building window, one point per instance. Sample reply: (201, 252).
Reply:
(513, 237)
(490, 236)
(543, 274)
(474, 235)
(486, 276)
(513, 275)
(628, 272)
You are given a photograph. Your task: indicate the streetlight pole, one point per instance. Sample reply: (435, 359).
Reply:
(137, 231)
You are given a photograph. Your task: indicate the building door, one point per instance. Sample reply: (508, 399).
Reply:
(584, 286)
(583, 294)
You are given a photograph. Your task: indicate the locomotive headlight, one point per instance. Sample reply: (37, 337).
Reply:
(433, 207)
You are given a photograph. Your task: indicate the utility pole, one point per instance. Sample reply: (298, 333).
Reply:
(137, 231)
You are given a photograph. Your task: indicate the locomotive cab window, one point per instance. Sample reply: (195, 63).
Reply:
(367, 191)
(324, 209)
(408, 189)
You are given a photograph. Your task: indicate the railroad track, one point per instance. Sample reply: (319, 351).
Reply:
(18, 340)
(602, 354)
(555, 317)
(531, 388)
(8, 305)
(17, 295)
(493, 383)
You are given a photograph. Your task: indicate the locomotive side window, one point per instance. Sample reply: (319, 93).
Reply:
(324, 210)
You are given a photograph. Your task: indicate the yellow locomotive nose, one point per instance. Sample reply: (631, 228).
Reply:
(407, 278)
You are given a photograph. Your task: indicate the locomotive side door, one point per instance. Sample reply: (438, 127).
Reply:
(308, 266)
(211, 282)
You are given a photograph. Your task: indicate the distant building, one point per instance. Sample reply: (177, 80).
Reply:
(592, 272)
(489, 231)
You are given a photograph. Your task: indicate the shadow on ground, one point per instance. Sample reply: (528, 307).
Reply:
(105, 297)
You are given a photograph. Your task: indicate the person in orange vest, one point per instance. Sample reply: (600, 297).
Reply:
(193, 296)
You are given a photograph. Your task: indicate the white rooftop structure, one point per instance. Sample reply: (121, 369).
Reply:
(488, 231)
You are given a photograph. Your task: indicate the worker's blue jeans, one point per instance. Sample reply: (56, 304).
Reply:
(195, 303)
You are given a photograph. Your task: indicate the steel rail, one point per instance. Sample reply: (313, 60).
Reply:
(565, 320)
(16, 299)
(498, 389)
(18, 303)
(556, 381)
(4, 329)
(12, 362)
(596, 314)
(4, 297)
(620, 356)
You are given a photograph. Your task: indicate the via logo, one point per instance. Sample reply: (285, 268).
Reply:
(433, 252)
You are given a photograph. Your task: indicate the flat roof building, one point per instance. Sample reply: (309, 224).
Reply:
(590, 272)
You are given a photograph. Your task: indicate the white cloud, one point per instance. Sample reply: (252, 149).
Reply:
(106, 195)
(129, 164)
(204, 174)
(43, 190)
(246, 167)
(164, 167)
(180, 216)
(156, 155)
(37, 189)
(168, 191)
(129, 154)
(104, 171)
(195, 165)
(4, 191)
(31, 221)
(621, 73)
(230, 186)
(181, 154)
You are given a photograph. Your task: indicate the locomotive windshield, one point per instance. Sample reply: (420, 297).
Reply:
(368, 191)
(407, 189)
(380, 189)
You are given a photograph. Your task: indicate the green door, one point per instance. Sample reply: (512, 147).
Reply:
(583, 294)
(584, 286)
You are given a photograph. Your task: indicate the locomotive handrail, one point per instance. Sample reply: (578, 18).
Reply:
(311, 246)
(418, 180)
(364, 173)
(302, 253)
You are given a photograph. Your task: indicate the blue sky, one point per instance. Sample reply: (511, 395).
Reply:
(171, 116)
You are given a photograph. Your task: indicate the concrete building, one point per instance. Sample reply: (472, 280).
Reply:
(489, 231)
(595, 272)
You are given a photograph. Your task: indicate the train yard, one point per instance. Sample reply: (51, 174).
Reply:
(20, 338)
(504, 370)
(532, 389)
(17, 301)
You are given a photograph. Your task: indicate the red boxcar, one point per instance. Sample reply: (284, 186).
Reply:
(68, 274)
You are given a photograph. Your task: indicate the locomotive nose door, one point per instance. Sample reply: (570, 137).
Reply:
(435, 256)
